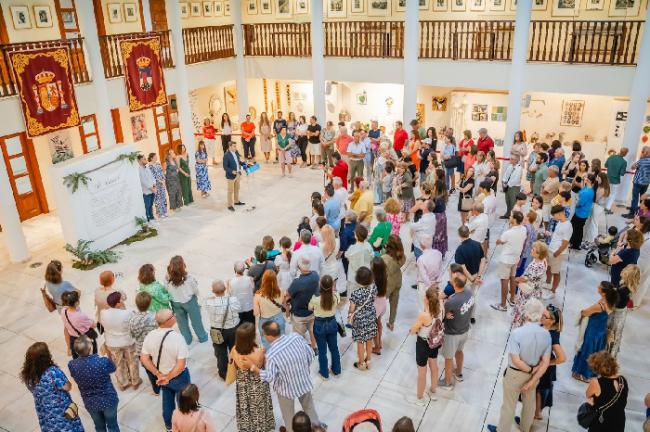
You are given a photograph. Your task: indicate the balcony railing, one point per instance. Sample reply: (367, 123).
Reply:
(8, 86)
(596, 42)
(277, 39)
(384, 39)
(208, 43)
(466, 40)
(112, 54)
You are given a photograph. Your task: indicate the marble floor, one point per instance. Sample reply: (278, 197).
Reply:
(211, 238)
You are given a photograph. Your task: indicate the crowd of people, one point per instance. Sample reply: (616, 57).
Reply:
(384, 207)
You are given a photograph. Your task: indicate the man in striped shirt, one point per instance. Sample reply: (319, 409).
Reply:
(640, 181)
(287, 369)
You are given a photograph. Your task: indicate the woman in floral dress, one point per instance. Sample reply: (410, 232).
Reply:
(50, 388)
(160, 197)
(530, 284)
(172, 181)
(184, 174)
(363, 317)
(202, 179)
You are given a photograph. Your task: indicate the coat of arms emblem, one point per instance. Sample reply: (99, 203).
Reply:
(48, 93)
(144, 72)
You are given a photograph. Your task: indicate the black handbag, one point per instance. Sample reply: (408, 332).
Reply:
(589, 414)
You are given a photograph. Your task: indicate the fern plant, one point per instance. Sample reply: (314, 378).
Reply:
(73, 181)
(88, 259)
(131, 157)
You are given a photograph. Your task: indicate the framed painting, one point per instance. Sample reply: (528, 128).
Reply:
(251, 7)
(265, 7)
(195, 9)
(513, 5)
(499, 113)
(302, 7)
(595, 5)
(114, 12)
(43, 16)
(540, 5)
(479, 113)
(131, 12)
(400, 6)
(283, 8)
(420, 113)
(458, 5)
(439, 103)
(572, 113)
(139, 127)
(423, 4)
(477, 5)
(624, 8)
(378, 8)
(440, 5)
(356, 6)
(218, 8)
(20, 17)
(185, 10)
(497, 5)
(336, 8)
(566, 8)
(208, 9)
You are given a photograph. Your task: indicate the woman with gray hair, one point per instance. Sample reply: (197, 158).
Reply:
(92, 374)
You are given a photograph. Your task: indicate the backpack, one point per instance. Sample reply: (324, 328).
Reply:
(436, 335)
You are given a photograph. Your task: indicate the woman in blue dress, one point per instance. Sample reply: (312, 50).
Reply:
(202, 179)
(595, 336)
(160, 197)
(51, 390)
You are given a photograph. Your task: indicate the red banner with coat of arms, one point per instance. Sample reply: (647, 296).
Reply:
(143, 73)
(46, 90)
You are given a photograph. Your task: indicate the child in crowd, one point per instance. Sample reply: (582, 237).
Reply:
(454, 270)
(536, 205)
(564, 199)
(520, 203)
(304, 224)
(387, 179)
(393, 208)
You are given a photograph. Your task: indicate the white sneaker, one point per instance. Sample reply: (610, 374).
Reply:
(432, 395)
(548, 296)
(415, 401)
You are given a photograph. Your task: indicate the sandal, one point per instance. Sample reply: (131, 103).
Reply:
(361, 366)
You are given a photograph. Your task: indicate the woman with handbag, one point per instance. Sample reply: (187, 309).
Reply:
(56, 286)
(324, 306)
(606, 394)
(466, 194)
(267, 303)
(430, 332)
(363, 317)
(51, 390)
(75, 322)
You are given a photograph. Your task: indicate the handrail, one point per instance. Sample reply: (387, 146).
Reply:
(277, 39)
(208, 43)
(383, 39)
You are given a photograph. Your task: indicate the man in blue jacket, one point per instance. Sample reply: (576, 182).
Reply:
(232, 164)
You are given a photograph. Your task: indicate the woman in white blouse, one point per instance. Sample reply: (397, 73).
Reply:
(481, 169)
(332, 266)
(226, 131)
(184, 291)
(519, 146)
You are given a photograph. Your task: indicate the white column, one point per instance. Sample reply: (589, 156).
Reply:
(517, 71)
(241, 83)
(182, 88)
(318, 60)
(12, 230)
(146, 13)
(87, 25)
(411, 47)
(639, 94)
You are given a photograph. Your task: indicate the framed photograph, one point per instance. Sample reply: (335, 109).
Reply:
(624, 8)
(400, 6)
(218, 8)
(185, 10)
(131, 12)
(251, 7)
(423, 4)
(43, 16)
(265, 7)
(540, 5)
(208, 11)
(566, 8)
(283, 8)
(572, 113)
(479, 113)
(440, 5)
(439, 103)
(20, 17)
(378, 8)
(356, 6)
(195, 9)
(302, 6)
(497, 5)
(114, 12)
(513, 5)
(362, 98)
(499, 113)
(226, 7)
(477, 5)
(69, 20)
(458, 5)
(595, 5)
(336, 8)
(139, 127)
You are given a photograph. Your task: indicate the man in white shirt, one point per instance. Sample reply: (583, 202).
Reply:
(512, 184)
(164, 354)
(424, 228)
(513, 241)
(313, 253)
(223, 312)
(429, 266)
(356, 153)
(148, 183)
(557, 248)
(341, 194)
(478, 223)
(489, 208)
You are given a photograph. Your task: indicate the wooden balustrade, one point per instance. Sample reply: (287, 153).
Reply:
(598, 42)
(384, 39)
(8, 86)
(466, 40)
(109, 46)
(208, 43)
(277, 39)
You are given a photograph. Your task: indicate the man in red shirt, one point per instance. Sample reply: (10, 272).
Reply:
(484, 142)
(210, 137)
(399, 138)
(248, 138)
(340, 169)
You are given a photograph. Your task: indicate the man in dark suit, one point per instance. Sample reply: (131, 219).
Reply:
(232, 164)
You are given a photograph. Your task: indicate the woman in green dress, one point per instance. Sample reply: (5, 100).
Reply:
(160, 298)
(184, 174)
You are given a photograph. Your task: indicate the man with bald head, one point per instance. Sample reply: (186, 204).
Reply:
(164, 354)
(223, 312)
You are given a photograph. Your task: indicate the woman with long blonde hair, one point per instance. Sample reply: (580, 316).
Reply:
(630, 279)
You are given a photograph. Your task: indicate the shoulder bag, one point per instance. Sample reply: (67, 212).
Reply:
(282, 308)
(588, 414)
(437, 334)
(216, 334)
(50, 305)
(353, 314)
(71, 412)
(91, 333)
(162, 342)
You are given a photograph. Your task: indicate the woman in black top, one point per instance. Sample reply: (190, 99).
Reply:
(551, 321)
(607, 392)
(466, 189)
(570, 167)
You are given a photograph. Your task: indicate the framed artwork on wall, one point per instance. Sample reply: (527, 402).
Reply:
(114, 12)
(218, 8)
(185, 10)
(566, 8)
(458, 5)
(479, 112)
(226, 7)
(595, 5)
(139, 127)
(265, 6)
(302, 6)
(208, 9)
(439, 103)
(423, 4)
(336, 8)
(43, 16)
(20, 17)
(499, 113)
(357, 6)
(477, 5)
(195, 9)
(540, 5)
(497, 5)
(420, 113)
(440, 5)
(378, 8)
(283, 8)
(251, 7)
(572, 113)
(400, 6)
(131, 12)
(626, 8)
(513, 5)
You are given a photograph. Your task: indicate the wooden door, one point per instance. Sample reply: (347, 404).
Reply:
(163, 130)
(158, 15)
(24, 175)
